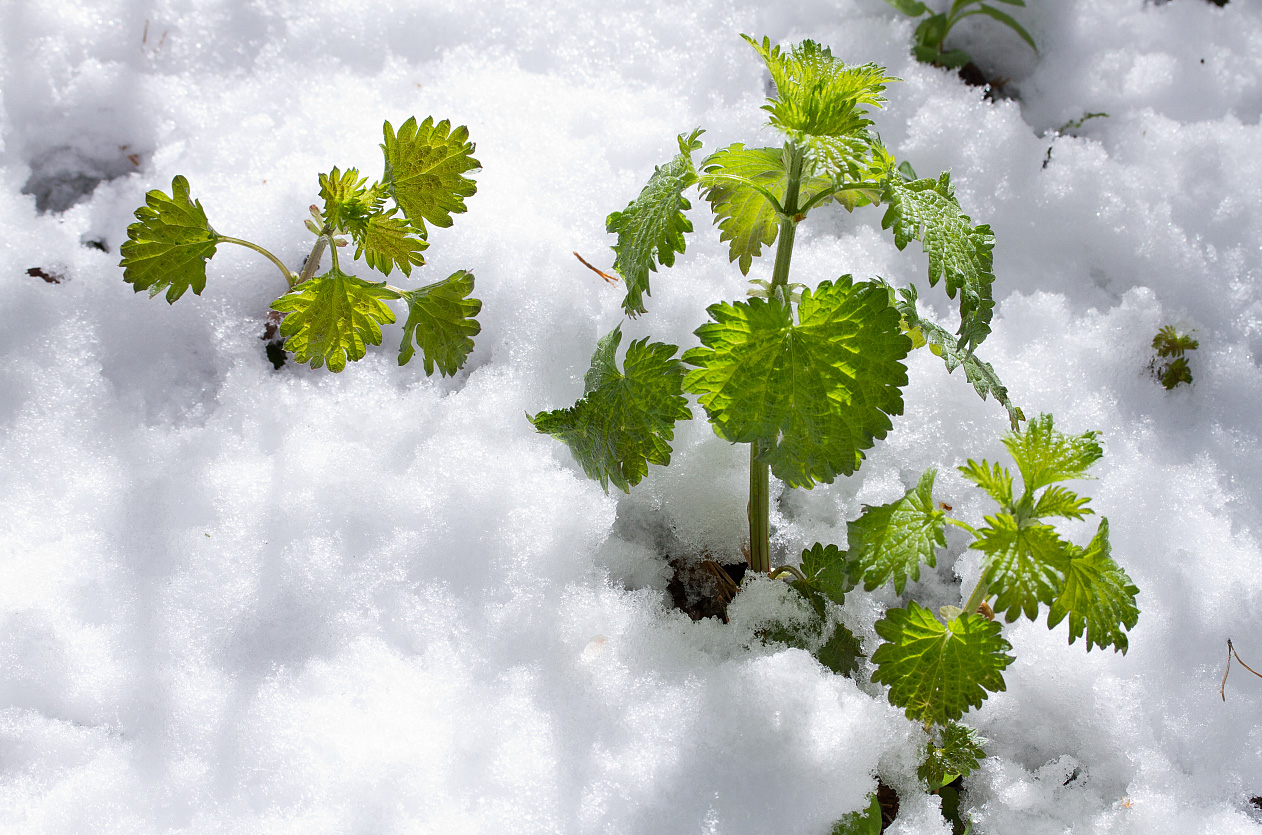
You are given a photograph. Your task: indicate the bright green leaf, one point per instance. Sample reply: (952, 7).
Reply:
(425, 168)
(1058, 501)
(993, 478)
(1097, 597)
(440, 321)
(1025, 564)
(625, 420)
(960, 253)
(167, 248)
(956, 753)
(348, 202)
(813, 395)
(1044, 455)
(936, 672)
(864, 822)
(388, 241)
(651, 228)
(981, 375)
(892, 540)
(827, 568)
(332, 317)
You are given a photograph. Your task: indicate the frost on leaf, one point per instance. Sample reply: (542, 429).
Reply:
(936, 672)
(625, 419)
(1098, 597)
(440, 322)
(651, 228)
(892, 540)
(959, 253)
(425, 168)
(168, 245)
(813, 394)
(333, 317)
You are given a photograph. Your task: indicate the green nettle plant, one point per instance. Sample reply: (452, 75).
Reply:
(810, 378)
(928, 41)
(1172, 347)
(330, 318)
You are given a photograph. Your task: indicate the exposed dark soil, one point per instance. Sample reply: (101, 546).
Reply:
(703, 589)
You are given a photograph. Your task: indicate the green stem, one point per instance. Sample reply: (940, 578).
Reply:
(313, 260)
(759, 512)
(787, 569)
(978, 597)
(788, 220)
(289, 277)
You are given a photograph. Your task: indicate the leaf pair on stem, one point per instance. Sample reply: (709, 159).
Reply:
(331, 318)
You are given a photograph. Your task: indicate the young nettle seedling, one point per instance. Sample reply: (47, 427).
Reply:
(330, 318)
(929, 39)
(1172, 347)
(807, 377)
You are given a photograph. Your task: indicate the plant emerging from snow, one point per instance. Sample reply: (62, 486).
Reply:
(330, 318)
(931, 33)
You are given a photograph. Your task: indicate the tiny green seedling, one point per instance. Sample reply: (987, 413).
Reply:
(928, 41)
(330, 318)
(1172, 347)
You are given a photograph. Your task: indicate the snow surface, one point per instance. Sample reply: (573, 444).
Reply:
(240, 600)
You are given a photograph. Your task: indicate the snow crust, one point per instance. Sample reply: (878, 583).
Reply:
(241, 600)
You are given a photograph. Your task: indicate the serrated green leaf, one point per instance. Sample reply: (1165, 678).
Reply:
(388, 241)
(440, 322)
(1058, 501)
(813, 395)
(425, 168)
(993, 478)
(167, 248)
(892, 540)
(1025, 564)
(348, 202)
(957, 752)
(936, 672)
(626, 419)
(981, 375)
(959, 253)
(736, 181)
(816, 94)
(1097, 597)
(865, 822)
(828, 569)
(332, 317)
(1044, 455)
(651, 228)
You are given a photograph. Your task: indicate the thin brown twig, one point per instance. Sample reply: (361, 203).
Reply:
(1222, 690)
(612, 279)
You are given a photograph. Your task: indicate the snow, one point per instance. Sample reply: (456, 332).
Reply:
(241, 600)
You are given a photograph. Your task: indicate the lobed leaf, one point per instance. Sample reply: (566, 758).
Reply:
(1098, 597)
(828, 569)
(936, 672)
(993, 478)
(332, 317)
(168, 245)
(1058, 501)
(651, 228)
(425, 168)
(440, 322)
(625, 419)
(959, 253)
(892, 540)
(1025, 564)
(813, 395)
(1044, 455)
(348, 202)
(957, 753)
(388, 241)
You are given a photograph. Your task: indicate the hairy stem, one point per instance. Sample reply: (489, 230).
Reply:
(312, 263)
(289, 277)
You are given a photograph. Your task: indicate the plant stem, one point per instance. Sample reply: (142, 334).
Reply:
(313, 260)
(760, 473)
(978, 597)
(289, 277)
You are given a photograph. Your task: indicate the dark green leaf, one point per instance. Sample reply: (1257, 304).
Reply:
(1007, 20)
(167, 248)
(828, 569)
(912, 8)
(892, 540)
(1025, 564)
(440, 321)
(866, 822)
(956, 752)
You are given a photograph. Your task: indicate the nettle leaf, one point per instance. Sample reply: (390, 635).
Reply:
(863, 822)
(816, 94)
(1044, 455)
(981, 375)
(425, 168)
(960, 253)
(332, 317)
(892, 540)
(651, 228)
(957, 753)
(626, 419)
(736, 181)
(936, 672)
(440, 321)
(1058, 501)
(388, 241)
(993, 478)
(1098, 597)
(828, 569)
(348, 202)
(1025, 564)
(167, 248)
(813, 395)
